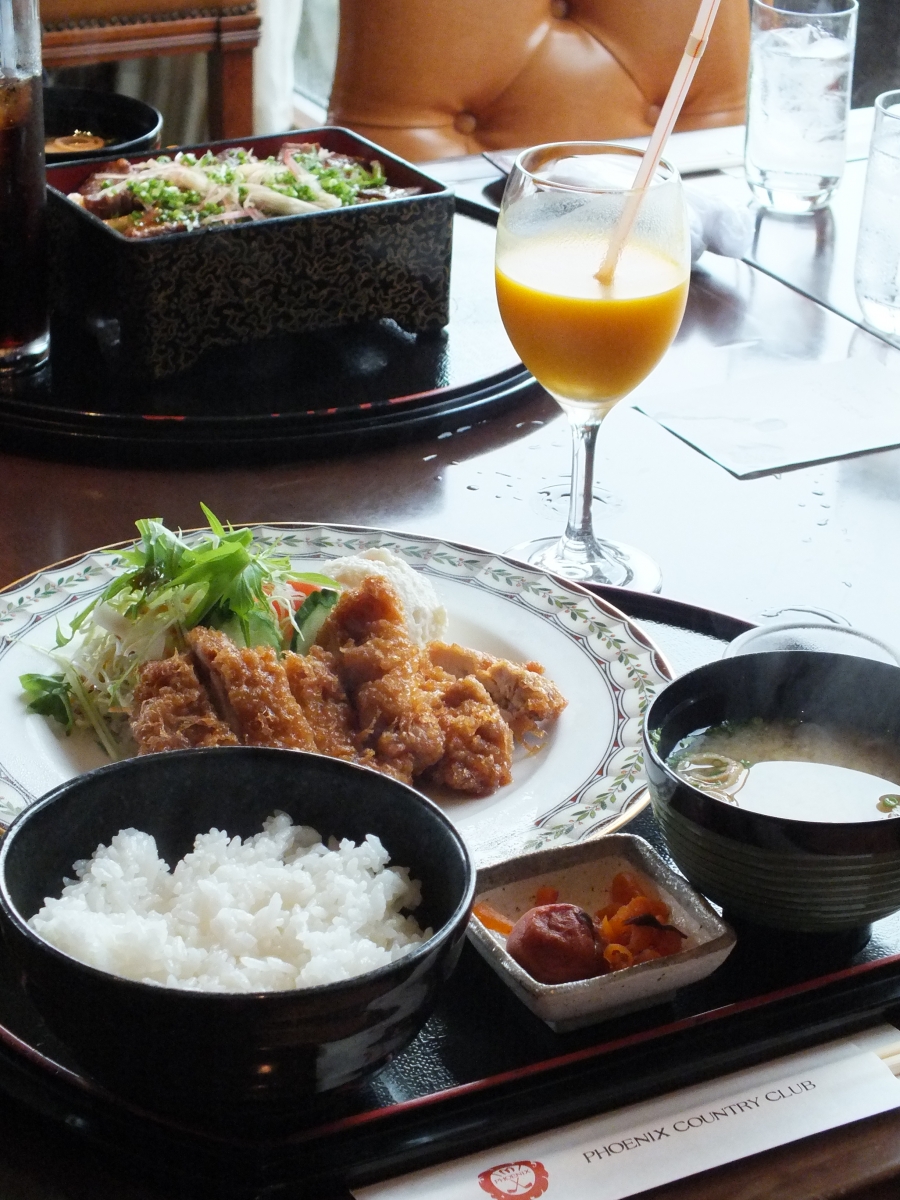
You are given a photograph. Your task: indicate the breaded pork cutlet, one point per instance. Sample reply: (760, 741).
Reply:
(478, 743)
(173, 710)
(250, 689)
(388, 679)
(525, 697)
(315, 685)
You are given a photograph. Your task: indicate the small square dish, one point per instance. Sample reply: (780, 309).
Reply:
(582, 874)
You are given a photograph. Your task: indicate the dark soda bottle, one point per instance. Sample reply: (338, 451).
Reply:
(24, 338)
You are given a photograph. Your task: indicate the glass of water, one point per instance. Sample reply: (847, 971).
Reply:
(801, 66)
(878, 247)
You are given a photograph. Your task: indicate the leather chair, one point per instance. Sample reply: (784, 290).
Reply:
(82, 32)
(437, 78)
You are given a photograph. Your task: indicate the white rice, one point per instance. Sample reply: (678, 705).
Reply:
(279, 910)
(426, 617)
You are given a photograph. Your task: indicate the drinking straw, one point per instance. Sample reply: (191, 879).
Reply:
(665, 122)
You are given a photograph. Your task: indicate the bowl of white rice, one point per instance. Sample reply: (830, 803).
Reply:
(224, 934)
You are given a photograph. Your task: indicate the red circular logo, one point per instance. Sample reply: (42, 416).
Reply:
(527, 1180)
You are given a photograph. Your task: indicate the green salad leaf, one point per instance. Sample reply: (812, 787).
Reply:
(50, 696)
(170, 586)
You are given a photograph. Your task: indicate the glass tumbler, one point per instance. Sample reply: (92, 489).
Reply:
(798, 97)
(24, 329)
(878, 246)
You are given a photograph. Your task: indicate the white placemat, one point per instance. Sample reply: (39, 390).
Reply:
(791, 417)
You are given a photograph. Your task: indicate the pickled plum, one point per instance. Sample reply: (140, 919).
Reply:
(561, 943)
(557, 943)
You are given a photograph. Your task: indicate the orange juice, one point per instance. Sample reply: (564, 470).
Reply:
(584, 341)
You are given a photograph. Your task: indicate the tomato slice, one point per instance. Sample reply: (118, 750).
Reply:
(303, 589)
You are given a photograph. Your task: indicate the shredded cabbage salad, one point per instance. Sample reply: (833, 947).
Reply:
(220, 581)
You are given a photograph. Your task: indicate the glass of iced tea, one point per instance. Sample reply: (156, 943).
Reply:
(24, 330)
(589, 343)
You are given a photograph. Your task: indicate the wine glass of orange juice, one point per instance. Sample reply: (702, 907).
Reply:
(589, 343)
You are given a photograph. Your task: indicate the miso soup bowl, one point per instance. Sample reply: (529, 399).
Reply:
(224, 1059)
(797, 875)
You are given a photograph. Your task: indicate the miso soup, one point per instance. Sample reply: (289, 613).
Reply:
(799, 770)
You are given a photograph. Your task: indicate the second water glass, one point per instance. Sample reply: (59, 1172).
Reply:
(801, 68)
(878, 248)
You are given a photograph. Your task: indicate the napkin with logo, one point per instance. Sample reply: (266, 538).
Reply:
(622, 1153)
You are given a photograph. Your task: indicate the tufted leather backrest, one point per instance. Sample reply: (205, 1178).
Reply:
(436, 78)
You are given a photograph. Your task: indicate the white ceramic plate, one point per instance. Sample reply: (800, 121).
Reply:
(586, 779)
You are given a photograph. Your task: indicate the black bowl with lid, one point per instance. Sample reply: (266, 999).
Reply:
(232, 1059)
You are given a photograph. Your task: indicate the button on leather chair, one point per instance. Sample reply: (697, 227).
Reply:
(436, 78)
(78, 33)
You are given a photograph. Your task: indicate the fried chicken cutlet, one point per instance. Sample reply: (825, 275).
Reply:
(524, 696)
(387, 677)
(250, 689)
(365, 692)
(478, 743)
(419, 719)
(173, 710)
(315, 685)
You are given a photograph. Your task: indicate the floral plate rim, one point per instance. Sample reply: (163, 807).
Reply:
(598, 806)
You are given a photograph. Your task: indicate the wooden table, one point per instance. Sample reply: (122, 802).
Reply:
(822, 536)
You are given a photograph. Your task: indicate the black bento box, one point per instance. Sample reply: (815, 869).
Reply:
(156, 305)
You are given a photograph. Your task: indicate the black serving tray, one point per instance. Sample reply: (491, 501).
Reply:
(291, 395)
(484, 1070)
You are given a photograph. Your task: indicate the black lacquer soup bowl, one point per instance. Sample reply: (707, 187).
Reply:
(128, 125)
(828, 877)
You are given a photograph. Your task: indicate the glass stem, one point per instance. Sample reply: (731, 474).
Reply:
(579, 544)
